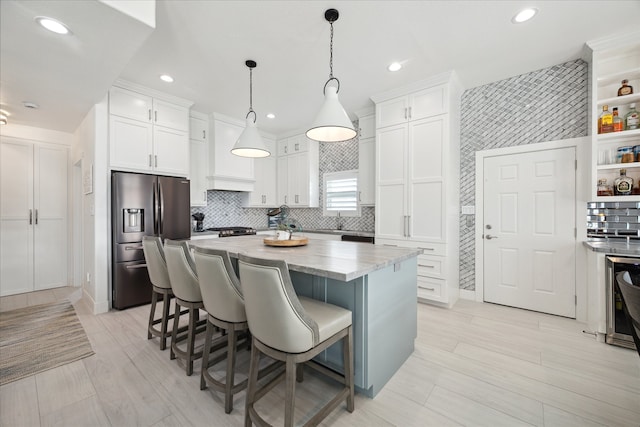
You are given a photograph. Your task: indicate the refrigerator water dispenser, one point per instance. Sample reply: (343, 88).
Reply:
(133, 220)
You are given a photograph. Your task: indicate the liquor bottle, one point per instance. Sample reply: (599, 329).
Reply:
(632, 120)
(623, 184)
(625, 89)
(618, 122)
(605, 122)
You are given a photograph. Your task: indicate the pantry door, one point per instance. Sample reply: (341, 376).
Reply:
(529, 230)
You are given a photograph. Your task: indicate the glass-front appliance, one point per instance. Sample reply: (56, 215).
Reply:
(618, 328)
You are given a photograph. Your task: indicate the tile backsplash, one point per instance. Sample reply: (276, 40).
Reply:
(224, 208)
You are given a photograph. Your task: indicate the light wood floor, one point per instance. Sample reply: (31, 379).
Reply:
(474, 365)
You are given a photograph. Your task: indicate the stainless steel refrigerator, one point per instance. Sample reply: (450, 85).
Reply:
(143, 205)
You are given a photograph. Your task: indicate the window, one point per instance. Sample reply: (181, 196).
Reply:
(341, 194)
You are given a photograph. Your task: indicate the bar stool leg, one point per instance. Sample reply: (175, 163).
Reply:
(252, 383)
(231, 366)
(205, 354)
(152, 313)
(347, 350)
(166, 299)
(174, 334)
(191, 338)
(290, 391)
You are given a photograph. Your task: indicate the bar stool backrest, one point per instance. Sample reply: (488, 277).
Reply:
(156, 262)
(182, 271)
(219, 285)
(275, 316)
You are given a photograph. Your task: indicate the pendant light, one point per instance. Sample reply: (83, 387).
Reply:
(250, 143)
(332, 124)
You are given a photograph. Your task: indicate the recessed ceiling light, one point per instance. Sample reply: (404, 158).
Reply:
(166, 78)
(271, 116)
(31, 105)
(394, 66)
(524, 15)
(53, 25)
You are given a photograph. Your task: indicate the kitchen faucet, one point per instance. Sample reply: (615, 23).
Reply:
(338, 222)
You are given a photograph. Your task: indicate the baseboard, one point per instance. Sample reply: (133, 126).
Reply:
(96, 308)
(467, 294)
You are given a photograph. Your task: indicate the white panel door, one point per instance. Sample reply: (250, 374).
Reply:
(529, 231)
(425, 181)
(391, 197)
(16, 218)
(171, 151)
(50, 221)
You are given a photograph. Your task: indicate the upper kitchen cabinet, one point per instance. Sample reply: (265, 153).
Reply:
(366, 157)
(264, 192)
(199, 153)
(417, 179)
(614, 60)
(414, 106)
(228, 171)
(148, 131)
(298, 172)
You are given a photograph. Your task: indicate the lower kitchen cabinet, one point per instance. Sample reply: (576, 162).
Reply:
(33, 216)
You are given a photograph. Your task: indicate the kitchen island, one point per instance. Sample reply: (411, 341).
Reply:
(377, 283)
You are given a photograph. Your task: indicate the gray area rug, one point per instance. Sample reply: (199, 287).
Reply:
(38, 338)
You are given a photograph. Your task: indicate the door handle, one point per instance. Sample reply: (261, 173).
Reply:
(149, 114)
(134, 266)
(150, 161)
(36, 216)
(161, 206)
(155, 116)
(30, 216)
(132, 248)
(204, 134)
(489, 237)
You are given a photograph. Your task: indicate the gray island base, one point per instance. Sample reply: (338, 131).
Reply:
(377, 283)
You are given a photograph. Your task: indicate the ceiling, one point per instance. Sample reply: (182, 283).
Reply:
(204, 44)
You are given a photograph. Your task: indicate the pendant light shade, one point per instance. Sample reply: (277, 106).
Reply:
(332, 124)
(250, 143)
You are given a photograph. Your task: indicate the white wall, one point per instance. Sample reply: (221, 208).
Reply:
(90, 149)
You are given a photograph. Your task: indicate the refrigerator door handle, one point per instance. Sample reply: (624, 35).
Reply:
(161, 209)
(134, 266)
(155, 209)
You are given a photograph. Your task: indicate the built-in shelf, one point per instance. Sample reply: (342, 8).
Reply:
(620, 100)
(619, 166)
(625, 134)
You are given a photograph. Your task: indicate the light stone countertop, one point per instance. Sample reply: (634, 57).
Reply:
(338, 260)
(613, 247)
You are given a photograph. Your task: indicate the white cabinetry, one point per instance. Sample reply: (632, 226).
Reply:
(614, 60)
(417, 179)
(366, 158)
(228, 171)
(148, 133)
(33, 216)
(264, 193)
(199, 153)
(297, 175)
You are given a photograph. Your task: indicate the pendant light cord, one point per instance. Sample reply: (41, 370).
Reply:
(255, 116)
(331, 63)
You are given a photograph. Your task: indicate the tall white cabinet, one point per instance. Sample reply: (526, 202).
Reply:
(33, 216)
(148, 131)
(198, 153)
(366, 157)
(298, 172)
(265, 189)
(417, 179)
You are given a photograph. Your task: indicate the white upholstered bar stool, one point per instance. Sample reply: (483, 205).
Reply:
(184, 282)
(223, 301)
(294, 330)
(157, 267)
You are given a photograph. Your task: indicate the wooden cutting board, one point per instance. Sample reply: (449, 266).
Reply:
(294, 241)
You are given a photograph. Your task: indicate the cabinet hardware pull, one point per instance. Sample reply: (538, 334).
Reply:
(427, 249)
(204, 134)
(427, 289)
(155, 116)
(156, 160)
(296, 199)
(297, 146)
(426, 266)
(30, 216)
(132, 267)
(36, 216)
(408, 225)
(132, 248)
(150, 161)
(149, 114)
(405, 113)
(359, 196)
(204, 198)
(409, 113)
(286, 149)
(285, 200)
